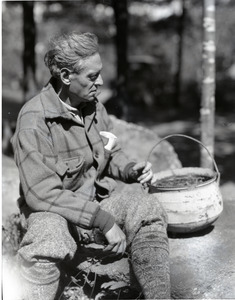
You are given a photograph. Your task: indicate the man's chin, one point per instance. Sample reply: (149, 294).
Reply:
(93, 96)
(89, 99)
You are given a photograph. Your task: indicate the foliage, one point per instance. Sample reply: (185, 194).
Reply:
(85, 286)
(12, 234)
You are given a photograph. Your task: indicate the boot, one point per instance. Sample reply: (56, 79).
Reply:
(150, 262)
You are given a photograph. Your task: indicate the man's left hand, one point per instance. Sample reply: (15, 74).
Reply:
(145, 172)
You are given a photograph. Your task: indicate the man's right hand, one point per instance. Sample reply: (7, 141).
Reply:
(116, 239)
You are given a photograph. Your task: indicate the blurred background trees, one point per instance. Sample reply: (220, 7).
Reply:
(151, 51)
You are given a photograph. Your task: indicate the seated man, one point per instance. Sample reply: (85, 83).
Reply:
(68, 161)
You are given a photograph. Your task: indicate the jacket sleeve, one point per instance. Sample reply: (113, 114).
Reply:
(42, 187)
(120, 166)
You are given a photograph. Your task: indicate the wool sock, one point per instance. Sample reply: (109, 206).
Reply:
(40, 292)
(150, 262)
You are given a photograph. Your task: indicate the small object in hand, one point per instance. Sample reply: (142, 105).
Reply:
(135, 174)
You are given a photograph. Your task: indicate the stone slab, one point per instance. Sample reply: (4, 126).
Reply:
(203, 263)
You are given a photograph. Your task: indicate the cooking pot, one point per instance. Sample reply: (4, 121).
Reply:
(190, 196)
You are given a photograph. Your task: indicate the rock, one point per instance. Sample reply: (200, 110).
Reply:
(10, 187)
(202, 263)
(92, 262)
(138, 142)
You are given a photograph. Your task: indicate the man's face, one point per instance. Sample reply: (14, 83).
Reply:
(84, 86)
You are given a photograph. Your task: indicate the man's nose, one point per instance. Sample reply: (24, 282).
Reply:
(99, 80)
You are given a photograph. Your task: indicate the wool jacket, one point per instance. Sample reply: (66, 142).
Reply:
(63, 165)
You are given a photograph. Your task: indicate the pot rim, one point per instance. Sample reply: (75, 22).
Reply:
(180, 172)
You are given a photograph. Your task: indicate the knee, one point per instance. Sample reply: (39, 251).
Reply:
(47, 236)
(148, 207)
(156, 208)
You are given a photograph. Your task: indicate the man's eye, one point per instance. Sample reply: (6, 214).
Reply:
(94, 77)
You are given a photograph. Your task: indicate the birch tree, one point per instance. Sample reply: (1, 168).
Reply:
(179, 60)
(207, 111)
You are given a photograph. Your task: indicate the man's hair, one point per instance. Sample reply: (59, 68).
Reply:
(69, 50)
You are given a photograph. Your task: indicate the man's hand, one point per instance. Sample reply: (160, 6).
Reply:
(116, 239)
(145, 171)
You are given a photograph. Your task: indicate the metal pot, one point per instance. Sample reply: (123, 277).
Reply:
(189, 207)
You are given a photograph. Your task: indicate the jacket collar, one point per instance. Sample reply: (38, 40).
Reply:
(53, 108)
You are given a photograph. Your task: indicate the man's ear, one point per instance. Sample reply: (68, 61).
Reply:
(64, 76)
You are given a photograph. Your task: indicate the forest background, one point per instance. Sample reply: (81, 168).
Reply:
(162, 41)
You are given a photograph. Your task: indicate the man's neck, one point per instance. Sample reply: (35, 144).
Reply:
(63, 93)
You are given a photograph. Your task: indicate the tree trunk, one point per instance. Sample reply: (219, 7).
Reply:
(29, 61)
(179, 56)
(207, 110)
(121, 21)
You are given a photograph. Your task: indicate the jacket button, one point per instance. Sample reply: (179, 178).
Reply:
(96, 154)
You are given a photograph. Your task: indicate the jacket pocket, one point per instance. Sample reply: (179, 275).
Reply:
(74, 165)
(70, 171)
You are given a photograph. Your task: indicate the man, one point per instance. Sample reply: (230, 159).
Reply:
(68, 161)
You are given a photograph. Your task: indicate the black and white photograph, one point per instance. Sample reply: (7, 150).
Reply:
(118, 149)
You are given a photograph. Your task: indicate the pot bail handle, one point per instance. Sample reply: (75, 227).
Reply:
(188, 137)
